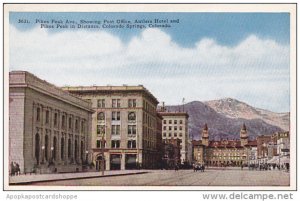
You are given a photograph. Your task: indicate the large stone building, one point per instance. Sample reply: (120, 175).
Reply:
(49, 129)
(175, 126)
(124, 126)
(223, 152)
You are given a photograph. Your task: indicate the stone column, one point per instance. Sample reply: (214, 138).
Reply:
(107, 160)
(123, 161)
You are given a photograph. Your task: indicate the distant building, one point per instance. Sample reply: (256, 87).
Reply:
(49, 129)
(124, 126)
(223, 152)
(175, 126)
(264, 143)
(171, 153)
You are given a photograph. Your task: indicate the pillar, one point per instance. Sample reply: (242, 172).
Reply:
(107, 161)
(123, 161)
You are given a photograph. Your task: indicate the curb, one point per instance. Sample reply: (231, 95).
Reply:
(65, 179)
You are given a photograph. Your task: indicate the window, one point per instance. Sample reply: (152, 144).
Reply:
(76, 124)
(115, 116)
(82, 126)
(47, 117)
(170, 121)
(165, 128)
(175, 134)
(38, 114)
(55, 119)
(115, 129)
(100, 116)
(180, 122)
(101, 103)
(131, 103)
(180, 134)
(165, 121)
(165, 134)
(116, 103)
(175, 128)
(180, 128)
(100, 129)
(62, 148)
(100, 143)
(70, 122)
(63, 121)
(170, 128)
(69, 148)
(175, 121)
(131, 144)
(132, 130)
(170, 134)
(131, 116)
(115, 144)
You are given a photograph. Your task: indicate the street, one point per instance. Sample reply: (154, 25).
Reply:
(211, 177)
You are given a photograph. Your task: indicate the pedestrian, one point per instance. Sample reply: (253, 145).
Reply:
(12, 169)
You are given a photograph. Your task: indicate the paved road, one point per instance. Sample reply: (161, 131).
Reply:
(211, 177)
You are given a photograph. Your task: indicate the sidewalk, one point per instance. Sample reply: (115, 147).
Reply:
(27, 179)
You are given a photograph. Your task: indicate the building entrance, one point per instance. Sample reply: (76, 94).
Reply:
(100, 163)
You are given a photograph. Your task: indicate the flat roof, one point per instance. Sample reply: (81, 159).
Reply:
(174, 114)
(27, 79)
(124, 88)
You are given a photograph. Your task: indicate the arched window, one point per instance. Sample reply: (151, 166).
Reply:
(131, 116)
(54, 148)
(46, 147)
(76, 150)
(81, 151)
(101, 116)
(62, 148)
(37, 148)
(69, 148)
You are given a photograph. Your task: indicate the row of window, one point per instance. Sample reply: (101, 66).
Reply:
(131, 144)
(170, 135)
(116, 116)
(149, 107)
(115, 103)
(64, 122)
(175, 121)
(172, 128)
(52, 152)
(115, 129)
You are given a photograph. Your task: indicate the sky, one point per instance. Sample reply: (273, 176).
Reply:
(205, 56)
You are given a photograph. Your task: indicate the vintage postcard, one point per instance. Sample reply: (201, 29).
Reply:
(150, 96)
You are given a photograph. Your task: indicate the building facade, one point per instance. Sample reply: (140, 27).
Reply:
(171, 153)
(49, 129)
(175, 126)
(124, 126)
(223, 152)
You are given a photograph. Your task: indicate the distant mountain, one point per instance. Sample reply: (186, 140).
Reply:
(225, 118)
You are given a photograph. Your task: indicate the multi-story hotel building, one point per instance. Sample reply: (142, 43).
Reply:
(175, 126)
(49, 129)
(223, 152)
(124, 126)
